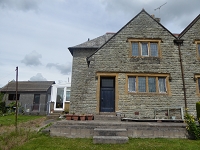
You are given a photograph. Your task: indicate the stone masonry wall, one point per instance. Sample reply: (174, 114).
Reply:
(79, 84)
(191, 65)
(114, 57)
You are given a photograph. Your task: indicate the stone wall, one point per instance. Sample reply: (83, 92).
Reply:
(114, 57)
(79, 87)
(191, 65)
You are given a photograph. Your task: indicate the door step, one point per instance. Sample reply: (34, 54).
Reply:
(107, 117)
(110, 132)
(110, 139)
(112, 136)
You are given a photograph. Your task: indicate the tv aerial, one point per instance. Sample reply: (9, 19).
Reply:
(160, 8)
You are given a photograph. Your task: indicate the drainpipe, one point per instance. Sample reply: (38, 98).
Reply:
(179, 43)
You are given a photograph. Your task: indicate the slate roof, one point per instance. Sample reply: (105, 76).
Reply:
(94, 43)
(28, 86)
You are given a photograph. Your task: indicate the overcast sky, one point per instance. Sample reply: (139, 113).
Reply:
(35, 34)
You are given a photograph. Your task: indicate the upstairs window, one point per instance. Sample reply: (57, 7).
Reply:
(147, 84)
(198, 49)
(197, 42)
(145, 48)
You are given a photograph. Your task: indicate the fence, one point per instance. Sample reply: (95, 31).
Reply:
(34, 109)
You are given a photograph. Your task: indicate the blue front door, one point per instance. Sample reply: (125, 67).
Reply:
(107, 95)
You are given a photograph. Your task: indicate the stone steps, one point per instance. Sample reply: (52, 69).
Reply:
(110, 135)
(110, 139)
(107, 117)
(54, 115)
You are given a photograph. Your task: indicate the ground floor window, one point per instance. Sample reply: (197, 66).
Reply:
(147, 84)
(13, 96)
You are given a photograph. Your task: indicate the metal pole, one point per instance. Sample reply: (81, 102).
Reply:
(16, 111)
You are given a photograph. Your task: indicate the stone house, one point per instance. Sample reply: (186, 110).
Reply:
(33, 96)
(143, 71)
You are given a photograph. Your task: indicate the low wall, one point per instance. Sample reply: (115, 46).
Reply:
(85, 129)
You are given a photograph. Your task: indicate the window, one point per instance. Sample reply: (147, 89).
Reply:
(198, 49)
(197, 79)
(147, 84)
(67, 95)
(145, 48)
(13, 96)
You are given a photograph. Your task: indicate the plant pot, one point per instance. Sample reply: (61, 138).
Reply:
(82, 117)
(90, 117)
(69, 116)
(75, 117)
(173, 117)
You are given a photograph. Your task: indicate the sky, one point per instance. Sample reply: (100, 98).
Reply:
(35, 34)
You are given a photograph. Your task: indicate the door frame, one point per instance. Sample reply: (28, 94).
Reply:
(107, 89)
(64, 97)
(98, 94)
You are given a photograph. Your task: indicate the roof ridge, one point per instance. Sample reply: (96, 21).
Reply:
(189, 26)
(143, 10)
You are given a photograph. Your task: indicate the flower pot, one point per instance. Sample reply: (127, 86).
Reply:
(75, 117)
(90, 117)
(69, 116)
(82, 117)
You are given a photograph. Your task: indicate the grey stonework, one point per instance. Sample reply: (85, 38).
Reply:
(191, 64)
(114, 57)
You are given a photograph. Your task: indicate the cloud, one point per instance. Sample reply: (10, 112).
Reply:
(179, 13)
(38, 77)
(32, 59)
(24, 5)
(64, 68)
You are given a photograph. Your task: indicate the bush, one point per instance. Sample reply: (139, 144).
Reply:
(198, 111)
(2, 104)
(192, 127)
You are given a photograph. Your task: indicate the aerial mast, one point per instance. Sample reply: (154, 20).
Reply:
(160, 8)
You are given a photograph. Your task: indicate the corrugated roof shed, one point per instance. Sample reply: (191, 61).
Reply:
(28, 86)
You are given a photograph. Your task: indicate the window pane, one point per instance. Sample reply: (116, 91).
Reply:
(162, 85)
(67, 95)
(142, 84)
(131, 84)
(135, 49)
(107, 83)
(154, 49)
(199, 84)
(152, 84)
(144, 49)
(199, 49)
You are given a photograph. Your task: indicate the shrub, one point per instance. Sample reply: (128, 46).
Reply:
(2, 104)
(198, 110)
(192, 127)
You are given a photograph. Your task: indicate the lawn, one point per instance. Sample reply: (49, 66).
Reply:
(10, 119)
(26, 139)
(50, 143)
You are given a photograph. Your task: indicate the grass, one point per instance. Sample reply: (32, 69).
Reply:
(27, 125)
(26, 138)
(10, 119)
(50, 143)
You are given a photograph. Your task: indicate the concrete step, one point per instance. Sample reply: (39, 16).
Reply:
(107, 117)
(110, 139)
(110, 132)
